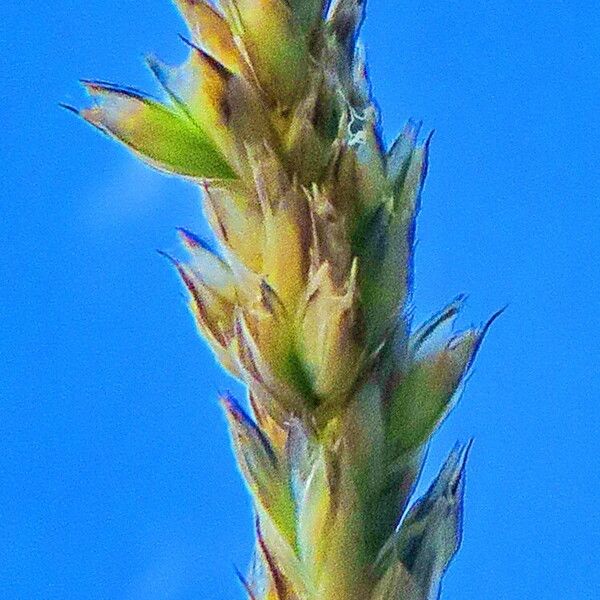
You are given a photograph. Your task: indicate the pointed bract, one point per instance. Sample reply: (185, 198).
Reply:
(423, 397)
(164, 137)
(264, 473)
(428, 538)
(212, 32)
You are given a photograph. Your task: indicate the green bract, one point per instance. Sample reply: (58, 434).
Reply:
(167, 138)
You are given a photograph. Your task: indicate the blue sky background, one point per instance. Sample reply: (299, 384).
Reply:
(116, 480)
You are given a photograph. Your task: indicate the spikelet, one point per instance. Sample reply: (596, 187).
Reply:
(306, 298)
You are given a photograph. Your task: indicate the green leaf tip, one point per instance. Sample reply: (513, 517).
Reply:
(165, 137)
(418, 553)
(425, 392)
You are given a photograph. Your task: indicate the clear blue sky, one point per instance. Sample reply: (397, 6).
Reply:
(116, 480)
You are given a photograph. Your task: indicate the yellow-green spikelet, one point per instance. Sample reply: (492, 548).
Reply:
(306, 301)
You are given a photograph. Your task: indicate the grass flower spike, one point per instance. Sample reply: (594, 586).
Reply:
(306, 299)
